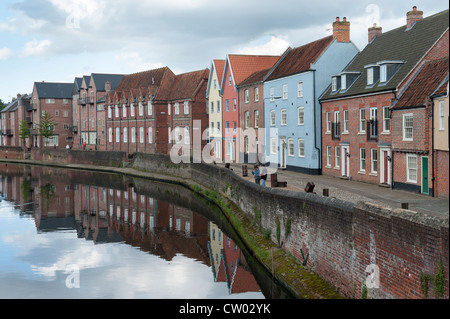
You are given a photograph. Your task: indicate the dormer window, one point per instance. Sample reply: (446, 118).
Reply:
(343, 82)
(369, 76)
(383, 73)
(334, 83)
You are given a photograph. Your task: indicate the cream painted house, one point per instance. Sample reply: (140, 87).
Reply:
(214, 107)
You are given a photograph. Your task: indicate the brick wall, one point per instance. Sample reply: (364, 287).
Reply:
(441, 173)
(11, 152)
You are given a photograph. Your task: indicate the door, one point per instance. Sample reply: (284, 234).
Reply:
(425, 186)
(385, 167)
(345, 155)
(283, 153)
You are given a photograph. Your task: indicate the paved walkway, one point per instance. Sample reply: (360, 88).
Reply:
(355, 191)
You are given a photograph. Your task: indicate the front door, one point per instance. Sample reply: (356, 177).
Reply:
(283, 150)
(345, 161)
(385, 167)
(425, 186)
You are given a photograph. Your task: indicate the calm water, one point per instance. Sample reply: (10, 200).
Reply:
(75, 234)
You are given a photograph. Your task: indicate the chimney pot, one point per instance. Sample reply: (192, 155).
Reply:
(413, 16)
(345, 19)
(337, 19)
(341, 30)
(374, 31)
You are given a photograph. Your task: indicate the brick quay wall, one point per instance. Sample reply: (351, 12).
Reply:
(396, 253)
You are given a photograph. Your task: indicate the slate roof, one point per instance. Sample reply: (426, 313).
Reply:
(400, 44)
(48, 90)
(428, 79)
(298, 60)
(101, 79)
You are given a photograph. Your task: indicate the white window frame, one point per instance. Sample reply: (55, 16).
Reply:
(186, 107)
(133, 135)
(272, 118)
(301, 115)
(386, 120)
(362, 120)
(370, 76)
(337, 157)
(374, 161)
(177, 108)
(409, 176)
(109, 112)
(441, 115)
(283, 117)
(328, 118)
(291, 147)
(110, 135)
(345, 125)
(246, 96)
(405, 137)
(141, 109)
(285, 91)
(273, 145)
(256, 119)
(301, 147)
(362, 159)
(125, 135)
(150, 135)
(246, 119)
(329, 156)
(117, 135)
(116, 110)
(300, 89)
(256, 94)
(343, 82)
(150, 108)
(334, 84)
(187, 136)
(383, 73)
(141, 135)
(272, 94)
(124, 110)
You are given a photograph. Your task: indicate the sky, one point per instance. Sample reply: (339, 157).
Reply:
(58, 40)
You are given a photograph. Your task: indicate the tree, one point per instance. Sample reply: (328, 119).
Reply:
(24, 131)
(2, 105)
(47, 126)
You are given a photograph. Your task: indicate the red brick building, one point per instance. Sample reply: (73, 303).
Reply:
(412, 127)
(56, 100)
(357, 123)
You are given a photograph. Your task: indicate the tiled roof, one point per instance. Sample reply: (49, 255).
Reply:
(427, 80)
(256, 77)
(300, 59)
(186, 84)
(400, 44)
(142, 79)
(47, 90)
(243, 66)
(218, 66)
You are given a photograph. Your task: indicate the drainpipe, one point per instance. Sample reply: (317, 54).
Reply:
(319, 151)
(432, 145)
(392, 150)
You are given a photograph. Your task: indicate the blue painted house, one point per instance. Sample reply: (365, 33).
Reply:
(292, 114)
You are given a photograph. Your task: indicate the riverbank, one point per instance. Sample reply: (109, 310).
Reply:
(337, 242)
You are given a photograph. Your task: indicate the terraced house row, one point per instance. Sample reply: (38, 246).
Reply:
(379, 115)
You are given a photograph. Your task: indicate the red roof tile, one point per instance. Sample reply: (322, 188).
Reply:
(218, 66)
(299, 59)
(427, 80)
(243, 66)
(186, 84)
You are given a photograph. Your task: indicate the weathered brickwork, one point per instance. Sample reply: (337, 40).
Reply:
(442, 172)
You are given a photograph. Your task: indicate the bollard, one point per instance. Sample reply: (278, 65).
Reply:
(309, 187)
(244, 171)
(326, 192)
(227, 165)
(405, 205)
(274, 180)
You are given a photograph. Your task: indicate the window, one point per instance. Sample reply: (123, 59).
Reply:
(386, 119)
(256, 119)
(362, 120)
(273, 146)
(133, 135)
(247, 119)
(124, 110)
(50, 101)
(51, 141)
(125, 135)
(333, 83)
(218, 106)
(328, 156)
(362, 159)
(215, 84)
(300, 89)
(369, 76)
(227, 105)
(291, 147)
(256, 94)
(177, 136)
(301, 147)
(301, 116)
(65, 101)
(169, 107)
(218, 128)
(229, 80)
(132, 109)
(141, 135)
(328, 122)
(343, 82)
(186, 107)
(65, 114)
(234, 126)
(411, 168)
(272, 94)
(169, 131)
(246, 96)
(150, 108)
(374, 161)
(272, 118)
(337, 157)
(110, 135)
(117, 135)
(227, 127)
(246, 144)
(177, 108)
(212, 107)
(407, 127)
(116, 110)
(150, 135)
(285, 92)
(109, 111)
(441, 115)
(234, 104)
(383, 73)
(345, 121)
(283, 117)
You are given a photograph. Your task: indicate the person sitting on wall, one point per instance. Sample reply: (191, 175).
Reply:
(257, 175)
(263, 174)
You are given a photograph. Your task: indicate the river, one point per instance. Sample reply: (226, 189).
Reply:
(69, 234)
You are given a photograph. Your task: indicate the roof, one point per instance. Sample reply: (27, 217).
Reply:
(257, 77)
(77, 86)
(400, 44)
(218, 67)
(298, 60)
(48, 90)
(242, 66)
(186, 85)
(428, 79)
(101, 79)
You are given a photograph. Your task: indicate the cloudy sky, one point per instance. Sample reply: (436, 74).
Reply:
(57, 40)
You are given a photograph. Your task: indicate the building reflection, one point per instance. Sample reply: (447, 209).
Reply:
(107, 210)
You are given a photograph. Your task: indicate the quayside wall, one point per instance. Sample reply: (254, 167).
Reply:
(396, 253)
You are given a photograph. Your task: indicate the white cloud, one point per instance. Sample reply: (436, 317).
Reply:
(5, 53)
(134, 61)
(37, 48)
(275, 46)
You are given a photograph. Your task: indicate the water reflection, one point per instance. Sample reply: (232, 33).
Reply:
(141, 240)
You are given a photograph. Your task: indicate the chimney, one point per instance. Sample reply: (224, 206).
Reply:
(374, 31)
(341, 30)
(108, 86)
(412, 17)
